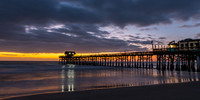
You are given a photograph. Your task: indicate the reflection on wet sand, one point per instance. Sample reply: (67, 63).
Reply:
(69, 80)
(118, 77)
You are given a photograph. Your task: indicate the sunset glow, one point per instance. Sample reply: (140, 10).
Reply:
(14, 56)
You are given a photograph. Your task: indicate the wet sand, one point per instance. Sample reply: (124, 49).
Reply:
(180, 91)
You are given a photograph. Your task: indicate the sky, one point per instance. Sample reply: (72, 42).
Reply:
(43, 29)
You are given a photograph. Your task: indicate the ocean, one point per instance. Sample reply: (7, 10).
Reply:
(31, 77)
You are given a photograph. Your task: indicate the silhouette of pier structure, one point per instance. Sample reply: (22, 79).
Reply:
(173, 57)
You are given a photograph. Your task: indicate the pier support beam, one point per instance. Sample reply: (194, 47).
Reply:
(163, 63)
(189, 63)
(198, 64)
(172, 63)
(168, 62)
(178, 64)
(193, 65)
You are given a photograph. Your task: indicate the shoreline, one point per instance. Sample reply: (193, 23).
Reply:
(177, 91)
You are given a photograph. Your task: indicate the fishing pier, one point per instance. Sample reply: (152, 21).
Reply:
(183, 55)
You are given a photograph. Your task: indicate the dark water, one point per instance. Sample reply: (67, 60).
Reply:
(28, 78)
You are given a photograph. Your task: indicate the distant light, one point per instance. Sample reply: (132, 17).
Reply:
(172, 46)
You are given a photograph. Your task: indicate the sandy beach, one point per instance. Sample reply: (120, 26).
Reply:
(180, 91)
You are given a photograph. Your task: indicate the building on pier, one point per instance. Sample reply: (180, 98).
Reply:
(189, 44)
(69, 53)
(185, 45)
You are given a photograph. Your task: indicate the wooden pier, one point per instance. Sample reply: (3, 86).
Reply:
(164, 59)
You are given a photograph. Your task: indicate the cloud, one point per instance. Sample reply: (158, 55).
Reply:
(59, 25)
(162, 38)
(118, 12)
(142, 12)
(190, 26)
(148, 29)
(76, 37)
(197, 35)
(9, 54)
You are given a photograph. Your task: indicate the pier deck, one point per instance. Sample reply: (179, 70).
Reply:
(164, 58)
